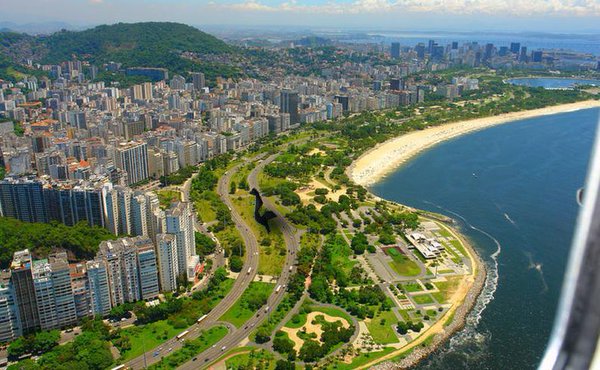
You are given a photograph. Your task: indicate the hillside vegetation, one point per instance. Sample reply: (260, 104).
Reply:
(147, 44)
(80, 241)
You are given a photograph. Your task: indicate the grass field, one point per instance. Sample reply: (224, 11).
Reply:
(422, 299)
(205, 211)
(258, 359)
(241, 311)
(299, 320)
(154, 334)
(193, 347)
(143, 338)
(363, 358)
(272, 256)
(412, 287)
(166, 197)
(402, 264)
(446, 289)
(340, 254)
(381, 328)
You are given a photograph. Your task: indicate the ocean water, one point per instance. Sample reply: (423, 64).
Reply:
(553, 83)
(512, 190)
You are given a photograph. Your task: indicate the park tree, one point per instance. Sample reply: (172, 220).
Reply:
(204, 244)
(359, 243)
(284, 365)
(235, 263)
(263, 335)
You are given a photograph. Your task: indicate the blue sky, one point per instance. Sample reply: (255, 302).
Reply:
(574, 16)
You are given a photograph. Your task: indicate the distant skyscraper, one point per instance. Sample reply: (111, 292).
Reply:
(177, 83)
(420, 50)
(536, 56)
(454, 45)
(523, 55)
(344, 101)
(290, 104)
(515, 47)
(489, 50)
(395, 50)
(430, 46)
(396, 84)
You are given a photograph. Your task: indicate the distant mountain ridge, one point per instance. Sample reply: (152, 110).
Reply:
(147, 44)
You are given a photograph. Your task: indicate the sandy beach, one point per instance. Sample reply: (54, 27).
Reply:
(385, 157)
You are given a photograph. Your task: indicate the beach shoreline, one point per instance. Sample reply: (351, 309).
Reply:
(376, 163)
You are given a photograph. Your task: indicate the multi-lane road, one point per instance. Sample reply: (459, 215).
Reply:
(240, 285)
(235, 337)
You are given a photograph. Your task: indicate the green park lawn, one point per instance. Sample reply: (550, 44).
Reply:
(243, 309)
(166, 197)
(272, 256)
(381, 328)
(205, 211)
(145, 337)
(446, 289)
(412, 287)
(363, 358)
(402, 264)
(256, 359)
(422, 299)
(192, 347)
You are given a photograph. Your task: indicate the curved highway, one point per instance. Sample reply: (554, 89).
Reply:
(232, 339)
(240, 285)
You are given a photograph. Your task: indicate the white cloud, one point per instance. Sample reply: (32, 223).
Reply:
(456, 7)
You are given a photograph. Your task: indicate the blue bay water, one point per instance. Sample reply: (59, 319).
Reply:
(553, 83)
(512, 185)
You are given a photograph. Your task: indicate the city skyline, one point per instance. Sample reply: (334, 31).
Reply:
(457, 15)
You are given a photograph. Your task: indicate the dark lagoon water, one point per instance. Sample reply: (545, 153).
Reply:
(512, 190)
(552, 83)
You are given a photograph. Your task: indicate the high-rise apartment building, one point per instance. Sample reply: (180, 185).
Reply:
(168, 266)
(198, 80)
(289, 103)
(179, 221)
(21, 280)
(23, 199)
(10, 325)
(99, 289)
(132, 157)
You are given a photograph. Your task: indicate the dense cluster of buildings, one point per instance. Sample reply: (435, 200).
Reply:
(513, 55)
(74, 150)
(50, 293)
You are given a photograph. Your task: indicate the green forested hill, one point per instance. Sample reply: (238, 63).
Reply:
(81, 240)
(147, 44)
(131, 43)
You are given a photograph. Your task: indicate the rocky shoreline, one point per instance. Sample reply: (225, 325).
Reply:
(457, 324)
